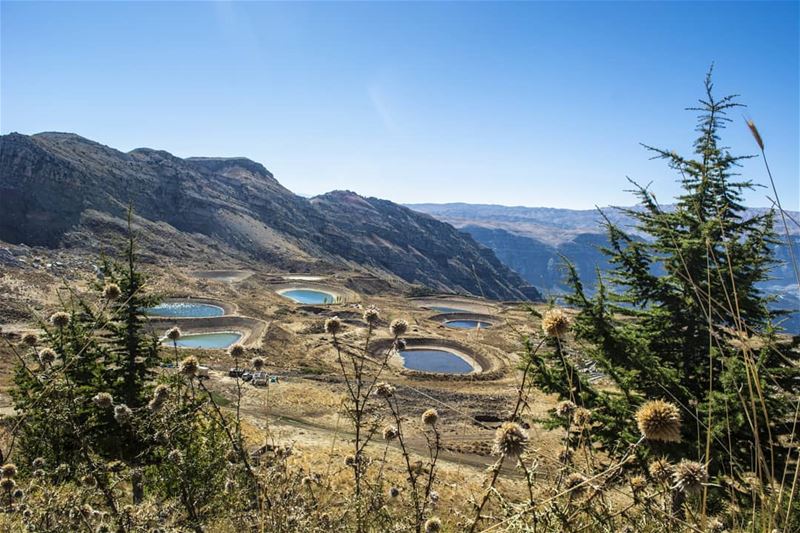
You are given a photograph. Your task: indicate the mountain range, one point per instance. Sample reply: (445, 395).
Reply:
(60, 190)
(535, 240)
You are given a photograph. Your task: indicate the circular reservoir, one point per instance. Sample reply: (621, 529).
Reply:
(434, 360)
(308, 296)
(185, 310)
(219, 340)
(467, 324)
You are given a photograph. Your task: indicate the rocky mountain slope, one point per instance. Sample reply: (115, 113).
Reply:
(62, 190)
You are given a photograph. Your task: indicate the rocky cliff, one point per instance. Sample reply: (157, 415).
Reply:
(62, 190)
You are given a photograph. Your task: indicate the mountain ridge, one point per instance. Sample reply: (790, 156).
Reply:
(60, 189)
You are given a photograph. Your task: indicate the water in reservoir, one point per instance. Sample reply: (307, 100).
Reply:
(207, 340)
(467, 324)
(185, 310)
(434, 360)
(309, 296)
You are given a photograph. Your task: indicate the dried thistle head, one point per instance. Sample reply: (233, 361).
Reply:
(555, 323)
(690, 476)
(258, 363)
(174, 333)
(430, 417)
(659, 421)
(661, 469)
(111, 291)
(390, 433)
(161, 392)
(565, 455)
(30, 339)
(510, 440)
(384, 390)
(60, 319)
(565, 408)
(372, 316)
(9, 470)
(581, 417)
(103, 400)
(638, 484)
(398, 327)
(47, 356)
(7, 484)
(236, 351)
(576, 484)
(39, 462)
(189, 366)
(333, 325)
(175, 456)
(88, 481)
(394, 492)
(433, 525)
(122, 414)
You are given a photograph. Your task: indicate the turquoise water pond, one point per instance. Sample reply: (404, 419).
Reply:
(309, 296)
(185, 310)
(207, 340)
(467, 324)
(431, 360)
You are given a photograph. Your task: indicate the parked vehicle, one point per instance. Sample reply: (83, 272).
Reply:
(202, 372)
(260, 379)
(247, 376)
(236, 372)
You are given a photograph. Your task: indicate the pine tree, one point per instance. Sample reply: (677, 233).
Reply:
(681, 317)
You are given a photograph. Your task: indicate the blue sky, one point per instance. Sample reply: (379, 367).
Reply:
(539, 104)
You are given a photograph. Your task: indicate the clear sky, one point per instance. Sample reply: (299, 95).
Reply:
(538, 104)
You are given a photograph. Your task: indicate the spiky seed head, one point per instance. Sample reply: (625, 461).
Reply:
(39, 462)
(189, 366)
(565, 409)
(510, 440)
(581, 416)
(659, 421)
(371, 316)
(103, 400)
(236, 351)
(430, 417)
(638, 484)
(174, 333)
(689, 476)
(394, 492)
(350, 461)
(398, 327)
(576, 483)
(161, 392)
(60, 319)
(306, 481)
(18, 494)
(8, 470)
(7, 484)
(390, 433)
(433, 496)
(258, 363)
(555, 323)
(384, 390)
(89, 481)
(333, 325)
(123, 414)
(47, 356)
(38, 473)
(661, 469)
(175, 456)
(30, 339)
(433, 525)
(62, 470)
(111, 291)
(756, 135)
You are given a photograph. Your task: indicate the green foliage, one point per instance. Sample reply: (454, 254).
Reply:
(680, 316)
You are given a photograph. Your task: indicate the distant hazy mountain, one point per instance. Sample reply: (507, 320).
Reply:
(62, 190)
(531, 240)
